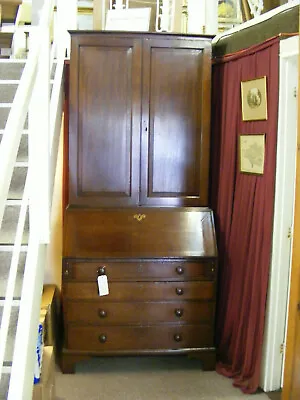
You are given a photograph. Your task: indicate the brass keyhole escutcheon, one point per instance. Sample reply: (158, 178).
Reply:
(139, 217)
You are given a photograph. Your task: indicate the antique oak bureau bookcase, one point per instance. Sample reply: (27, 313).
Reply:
(138, 169)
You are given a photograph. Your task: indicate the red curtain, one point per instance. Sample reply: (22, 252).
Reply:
(243, 206)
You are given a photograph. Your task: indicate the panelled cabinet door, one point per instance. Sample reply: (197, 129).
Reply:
(175, 122)
(105, 113)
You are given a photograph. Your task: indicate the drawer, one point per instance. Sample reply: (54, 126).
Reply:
(138, 270)
(139, 337)
(124, 313)
(141, 291)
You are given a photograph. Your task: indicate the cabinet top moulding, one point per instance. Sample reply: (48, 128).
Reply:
(156, 35)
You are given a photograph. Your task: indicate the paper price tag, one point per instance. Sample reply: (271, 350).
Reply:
(102, 285)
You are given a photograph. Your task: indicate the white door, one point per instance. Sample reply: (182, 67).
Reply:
(278, 291)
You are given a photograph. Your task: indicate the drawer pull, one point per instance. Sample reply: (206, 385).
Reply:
(102, 338)
(101, 271)
(179, 291)
(102, 313)
(177, 337)
(179, 270)
(179, 312)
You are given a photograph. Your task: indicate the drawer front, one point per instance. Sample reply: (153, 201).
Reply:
(139, 337)
(143, 270)
(124, 313)
(141, 291)
(145, 232)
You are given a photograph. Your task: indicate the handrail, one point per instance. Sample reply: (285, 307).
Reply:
(44, 128)
(16, 119)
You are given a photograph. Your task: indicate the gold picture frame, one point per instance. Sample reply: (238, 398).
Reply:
(254, 99)
(252, 153)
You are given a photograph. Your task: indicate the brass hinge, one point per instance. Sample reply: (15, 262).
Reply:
(295, 92)
(289, 233)
(282, 348)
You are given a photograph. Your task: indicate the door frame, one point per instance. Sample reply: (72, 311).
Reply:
(280, 269)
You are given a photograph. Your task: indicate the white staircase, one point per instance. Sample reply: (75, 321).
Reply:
(30, 116)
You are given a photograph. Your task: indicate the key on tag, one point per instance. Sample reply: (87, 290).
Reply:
(102, 285)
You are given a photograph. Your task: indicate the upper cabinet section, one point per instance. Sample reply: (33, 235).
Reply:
(105, 113)
(176, 122)
(139, 120)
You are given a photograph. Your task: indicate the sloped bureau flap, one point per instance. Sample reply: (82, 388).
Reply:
(142, 232)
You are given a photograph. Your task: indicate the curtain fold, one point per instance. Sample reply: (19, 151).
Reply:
(243, 206)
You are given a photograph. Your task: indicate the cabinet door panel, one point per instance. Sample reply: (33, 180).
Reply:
(105, 122)
(176, 109)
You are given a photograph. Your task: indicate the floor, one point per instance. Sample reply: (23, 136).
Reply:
(275, 395)
(147, 378)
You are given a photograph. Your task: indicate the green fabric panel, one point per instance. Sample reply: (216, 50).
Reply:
(285, 22)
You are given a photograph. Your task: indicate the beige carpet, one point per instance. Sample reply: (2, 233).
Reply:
(146, 378)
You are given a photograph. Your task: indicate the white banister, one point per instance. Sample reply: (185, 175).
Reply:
(21, 381)
(45, 118)
(38, 144)
(13, 130)
(10, 287)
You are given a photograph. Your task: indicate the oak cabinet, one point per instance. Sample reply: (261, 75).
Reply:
(139, 132)
(139, 120)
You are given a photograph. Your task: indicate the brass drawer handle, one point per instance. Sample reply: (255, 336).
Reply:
(102, 313)
(139, 217)
(177, 337)
(179, 270)
(178, 312)
(179, 291)
(102, 338)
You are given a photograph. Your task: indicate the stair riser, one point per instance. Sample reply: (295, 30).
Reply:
(11, 70)
(11, 333)
(4, 384)
(4, 111)
(5, 260)
(7, 92)
(17, 183)
(23, 148)
(9, 226)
